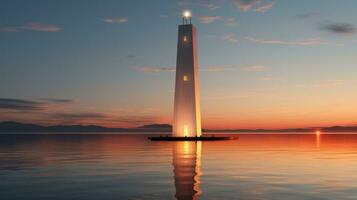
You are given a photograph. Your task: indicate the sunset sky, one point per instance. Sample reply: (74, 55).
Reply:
(263, 63)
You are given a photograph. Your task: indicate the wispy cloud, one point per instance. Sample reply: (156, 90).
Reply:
(255, 68)
(131, 56)
(246, 5)
(328, 84)
(135, 119)
(339, 28)
(60, 101)
(333, 83)
(41, 111)
(118, 20)
(20, 105)
(267, 78)
(210, 6)
(230, 22)
(76, 116)
(209, 19)
(216, 69)
(207, 4)
(265, 7)
(29, 105)
(99, 118)
(231, 38)
(254, 5)
(307, 15)
(153, 69)
(305, 42)
(32, 26)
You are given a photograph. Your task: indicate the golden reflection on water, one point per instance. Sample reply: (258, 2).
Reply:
(318, 135)
(187, 169)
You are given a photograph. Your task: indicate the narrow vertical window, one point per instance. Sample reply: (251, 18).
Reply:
(185, 78)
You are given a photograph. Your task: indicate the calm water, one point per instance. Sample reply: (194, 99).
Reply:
(110, 166)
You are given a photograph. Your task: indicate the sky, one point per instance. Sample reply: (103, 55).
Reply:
(262, 63)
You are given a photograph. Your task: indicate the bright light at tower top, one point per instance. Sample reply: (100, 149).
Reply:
(186, 14)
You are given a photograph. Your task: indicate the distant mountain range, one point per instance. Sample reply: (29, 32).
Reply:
(10, 126)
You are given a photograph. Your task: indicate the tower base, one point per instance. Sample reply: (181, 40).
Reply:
(202, 138)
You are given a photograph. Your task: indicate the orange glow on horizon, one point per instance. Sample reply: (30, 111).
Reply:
(209, 120)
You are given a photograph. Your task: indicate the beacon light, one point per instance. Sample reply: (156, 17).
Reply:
(186, 14)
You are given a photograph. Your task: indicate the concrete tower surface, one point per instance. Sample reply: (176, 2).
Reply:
(187, 113)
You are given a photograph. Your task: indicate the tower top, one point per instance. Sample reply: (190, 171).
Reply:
(186, 17)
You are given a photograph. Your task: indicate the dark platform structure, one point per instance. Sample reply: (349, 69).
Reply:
(202, 138)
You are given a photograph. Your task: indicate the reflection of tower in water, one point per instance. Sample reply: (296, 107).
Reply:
(187, 169)
(318, 139)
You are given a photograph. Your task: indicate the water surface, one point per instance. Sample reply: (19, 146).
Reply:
(128, 166)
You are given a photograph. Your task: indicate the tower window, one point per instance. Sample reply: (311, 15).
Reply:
(185, 78)
(185, 39)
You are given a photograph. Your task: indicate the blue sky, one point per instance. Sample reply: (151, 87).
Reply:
(263, 63)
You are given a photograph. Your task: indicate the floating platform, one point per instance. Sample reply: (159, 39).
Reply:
(202, 138)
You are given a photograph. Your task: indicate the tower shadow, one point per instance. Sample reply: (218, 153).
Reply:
(187, 169)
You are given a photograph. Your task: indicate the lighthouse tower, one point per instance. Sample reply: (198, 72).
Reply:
(187, 113)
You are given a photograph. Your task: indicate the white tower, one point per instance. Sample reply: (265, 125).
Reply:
(187, 113)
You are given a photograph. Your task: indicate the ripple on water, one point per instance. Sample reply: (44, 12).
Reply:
(132, 167)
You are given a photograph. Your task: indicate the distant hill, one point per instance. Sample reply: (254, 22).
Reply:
(10, 126)
(16, 127)
(323, 129)
(157, 126)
